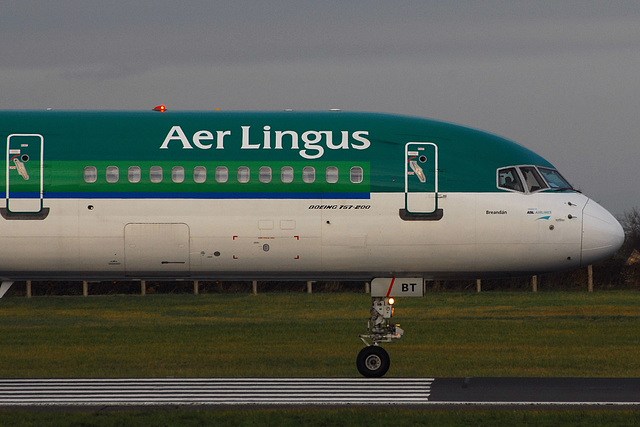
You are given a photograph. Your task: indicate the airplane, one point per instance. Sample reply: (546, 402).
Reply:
(393, 200)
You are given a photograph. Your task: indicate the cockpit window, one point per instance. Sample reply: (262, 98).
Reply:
(532, 179)
(555, 180)
(508, 179)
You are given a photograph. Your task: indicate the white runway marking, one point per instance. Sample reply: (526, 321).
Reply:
(214, 391)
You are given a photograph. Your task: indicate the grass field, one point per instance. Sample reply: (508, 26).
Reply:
(302, 335)
(323, 417)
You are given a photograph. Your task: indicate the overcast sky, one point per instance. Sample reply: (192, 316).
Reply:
(560, 77)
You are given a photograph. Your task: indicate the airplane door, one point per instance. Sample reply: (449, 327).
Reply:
(421, 177)
(24, 173)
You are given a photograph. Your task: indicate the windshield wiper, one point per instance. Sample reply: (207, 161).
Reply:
(566, 189)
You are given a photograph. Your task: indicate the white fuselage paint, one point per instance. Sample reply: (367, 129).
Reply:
(480, 234)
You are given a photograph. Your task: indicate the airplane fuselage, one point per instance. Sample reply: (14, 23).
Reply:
(212, 195)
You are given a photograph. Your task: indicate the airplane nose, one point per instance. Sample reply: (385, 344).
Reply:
(602, 234)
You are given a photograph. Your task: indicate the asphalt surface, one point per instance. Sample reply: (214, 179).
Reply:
(527, 391)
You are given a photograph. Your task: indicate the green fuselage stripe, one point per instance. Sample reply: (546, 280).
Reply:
(468, 159)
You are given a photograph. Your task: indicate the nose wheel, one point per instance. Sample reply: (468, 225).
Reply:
(373, 361)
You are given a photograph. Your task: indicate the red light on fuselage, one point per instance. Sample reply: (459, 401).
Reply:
(161, 108)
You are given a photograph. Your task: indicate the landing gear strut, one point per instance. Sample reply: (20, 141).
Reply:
(373, 361)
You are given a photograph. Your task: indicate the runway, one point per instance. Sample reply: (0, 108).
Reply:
(321, 391)
(536, 391)
(214, 391)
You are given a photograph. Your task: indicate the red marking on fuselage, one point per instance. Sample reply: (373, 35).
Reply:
(393, 280)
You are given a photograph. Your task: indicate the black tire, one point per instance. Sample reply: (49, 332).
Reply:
(373, 361)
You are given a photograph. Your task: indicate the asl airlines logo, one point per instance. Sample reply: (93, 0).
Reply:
(313, 142)
(533, 211)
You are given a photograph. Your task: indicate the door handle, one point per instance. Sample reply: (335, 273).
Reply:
(21, 169)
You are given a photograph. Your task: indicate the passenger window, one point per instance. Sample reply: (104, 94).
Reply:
(113, 174)
(244, 174)
(357, 175)
(332, 174)
(90, 174)
(509, 179)
(156, 174)
(265, 174)
(134, 174)
(177, 174)
(286, 174)
(222, 174)
(199, 174)
(532, 179)
(309, 174)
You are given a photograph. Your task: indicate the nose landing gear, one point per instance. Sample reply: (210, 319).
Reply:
(373, 361)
